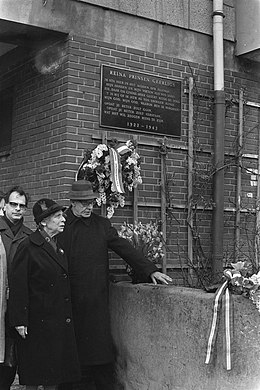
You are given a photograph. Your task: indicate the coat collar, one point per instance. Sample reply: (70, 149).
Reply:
(70, 216)
(23, 232)
(37, 239)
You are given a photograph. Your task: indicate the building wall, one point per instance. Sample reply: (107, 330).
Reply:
(181, 29)
(58, 15)
(187, 14)
(39, 155)
(56, 117)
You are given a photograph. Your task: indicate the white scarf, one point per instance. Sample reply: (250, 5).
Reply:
(3, 298)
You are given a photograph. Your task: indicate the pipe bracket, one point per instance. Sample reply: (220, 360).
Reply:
(218, 13)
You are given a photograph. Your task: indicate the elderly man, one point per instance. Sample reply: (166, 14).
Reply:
(12, 232)
(86, 240)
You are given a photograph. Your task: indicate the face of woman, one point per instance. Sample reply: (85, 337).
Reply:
(54, 224)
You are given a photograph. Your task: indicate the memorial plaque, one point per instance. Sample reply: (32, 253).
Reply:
(139, 101)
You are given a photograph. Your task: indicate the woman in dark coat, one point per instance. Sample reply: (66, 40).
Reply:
(40, 305)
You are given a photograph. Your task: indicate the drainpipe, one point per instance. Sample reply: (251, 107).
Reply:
(219, 126)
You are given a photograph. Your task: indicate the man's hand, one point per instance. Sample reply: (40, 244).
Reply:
(22, 330)
(165, 279)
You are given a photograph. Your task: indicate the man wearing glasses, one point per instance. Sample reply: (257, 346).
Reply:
(86, 239)
(12, 232)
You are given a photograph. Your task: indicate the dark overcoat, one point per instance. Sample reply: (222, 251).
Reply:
(11, 244)
(10, 241)
(40, 299)
(86, 242)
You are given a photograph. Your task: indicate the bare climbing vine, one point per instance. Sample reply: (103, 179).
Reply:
(196, 272)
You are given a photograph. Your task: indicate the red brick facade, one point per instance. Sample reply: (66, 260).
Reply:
(56, 117)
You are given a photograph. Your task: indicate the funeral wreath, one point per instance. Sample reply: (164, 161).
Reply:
(113, 170)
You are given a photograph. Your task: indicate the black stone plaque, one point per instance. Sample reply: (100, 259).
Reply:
(139, 101)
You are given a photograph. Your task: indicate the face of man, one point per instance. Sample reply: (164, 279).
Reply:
(82, 208)
(54, 224)
(15, 207)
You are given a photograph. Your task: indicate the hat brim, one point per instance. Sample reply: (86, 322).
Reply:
(82, 195)
(50, 211)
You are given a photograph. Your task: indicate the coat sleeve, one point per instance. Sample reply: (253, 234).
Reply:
(143, 267)
(18, 303)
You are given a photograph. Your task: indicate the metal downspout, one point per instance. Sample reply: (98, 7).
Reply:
(218, 179)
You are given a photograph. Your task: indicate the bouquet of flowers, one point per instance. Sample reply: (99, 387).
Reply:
(112, 170)
(243, 281)
(145, 237)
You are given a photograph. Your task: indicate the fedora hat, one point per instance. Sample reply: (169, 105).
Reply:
(82, 190)
(45, 207)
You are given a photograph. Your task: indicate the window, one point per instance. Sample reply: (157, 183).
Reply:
(6, 108)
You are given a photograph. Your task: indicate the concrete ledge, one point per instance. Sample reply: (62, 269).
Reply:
(160, 334)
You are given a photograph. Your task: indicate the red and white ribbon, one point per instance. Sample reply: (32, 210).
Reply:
(123, 149)
(116, 171)
(223, 297)
(228, 327)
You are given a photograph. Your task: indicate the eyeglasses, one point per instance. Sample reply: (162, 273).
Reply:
(14, 205)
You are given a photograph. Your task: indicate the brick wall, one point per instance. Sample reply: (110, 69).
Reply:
(40, 150)
(56, 117)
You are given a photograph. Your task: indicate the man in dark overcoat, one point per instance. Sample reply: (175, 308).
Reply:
(12, 233)
(86, 240)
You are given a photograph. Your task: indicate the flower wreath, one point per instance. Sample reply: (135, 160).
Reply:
(112, 170)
